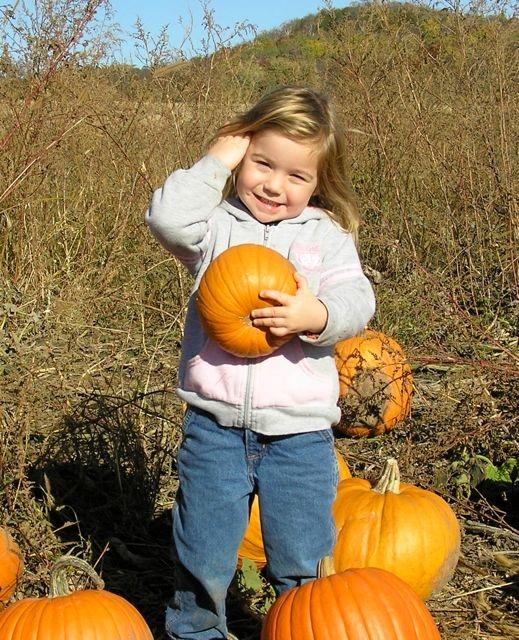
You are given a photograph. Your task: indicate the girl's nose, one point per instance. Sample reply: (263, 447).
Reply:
(273, 183)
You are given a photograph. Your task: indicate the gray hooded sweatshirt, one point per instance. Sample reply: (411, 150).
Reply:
(296, 388)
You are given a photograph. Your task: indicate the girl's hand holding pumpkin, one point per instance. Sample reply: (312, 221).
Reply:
(230, 150)
(294, 314)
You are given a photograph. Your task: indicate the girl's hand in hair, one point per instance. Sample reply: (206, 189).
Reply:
(230, 149)
(301, 313)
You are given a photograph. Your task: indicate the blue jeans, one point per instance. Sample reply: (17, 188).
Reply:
(220, 469)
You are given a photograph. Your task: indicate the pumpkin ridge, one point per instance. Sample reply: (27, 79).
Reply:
(388, 605)
(417, 606)
(40, 609)
(293, 596)
(206, 288)
(387, 513)
(352, 576)
(402, 511)
(137, 620)
(315, 625)
(72, 617)
(7, 622)
(414, 620)
(59, 610)
(357, 491)
(252, 299)
(230, 278)
(338, 604)
(376, 503)
(24, 618)
(424, 539)
(129, 614)
(428, 542)
(109, 616)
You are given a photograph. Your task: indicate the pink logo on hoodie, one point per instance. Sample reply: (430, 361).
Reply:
(307, 255)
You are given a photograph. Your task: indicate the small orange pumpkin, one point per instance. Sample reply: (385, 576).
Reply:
(82, 615)
(11, 565)
(358, 604)
(251, 547)
(375, 384)
(404, 529)
(229, 291)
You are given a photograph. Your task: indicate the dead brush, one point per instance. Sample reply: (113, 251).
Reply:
(434, 164)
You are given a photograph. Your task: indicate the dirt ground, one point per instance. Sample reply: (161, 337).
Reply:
(102, 483)
(456, 415)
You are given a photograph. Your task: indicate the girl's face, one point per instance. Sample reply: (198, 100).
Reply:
(277, 176)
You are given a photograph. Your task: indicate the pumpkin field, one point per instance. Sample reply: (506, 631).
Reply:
(92, 317)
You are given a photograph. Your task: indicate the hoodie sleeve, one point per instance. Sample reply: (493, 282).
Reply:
(180, 211)
(344, 290)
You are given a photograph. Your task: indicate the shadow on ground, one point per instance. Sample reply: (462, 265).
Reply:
(101, 478)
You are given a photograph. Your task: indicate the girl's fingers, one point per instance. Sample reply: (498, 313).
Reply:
(268, 312)
(300, 281)
(277, 296)
(268, 322)
(230, 149)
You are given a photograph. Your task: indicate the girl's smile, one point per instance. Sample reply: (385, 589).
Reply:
(268, 203)
(277, 177)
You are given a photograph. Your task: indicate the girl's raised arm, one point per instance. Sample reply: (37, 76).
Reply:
(181, 209)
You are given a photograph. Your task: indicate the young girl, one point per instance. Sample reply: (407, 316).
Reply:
(276, 176)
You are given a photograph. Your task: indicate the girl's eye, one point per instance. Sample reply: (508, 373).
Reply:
(263, 163)
(298, 177)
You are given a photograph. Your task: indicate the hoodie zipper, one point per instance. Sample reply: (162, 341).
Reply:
(247, 405)
(266, 233)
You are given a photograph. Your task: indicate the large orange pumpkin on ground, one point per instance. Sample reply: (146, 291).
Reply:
(251, 547)
(358, 604)
(81, 615)
(11, 565)
(401, 528)
(229, 291)
(375, 384)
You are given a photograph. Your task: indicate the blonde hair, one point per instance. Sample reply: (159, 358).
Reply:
(306, 116)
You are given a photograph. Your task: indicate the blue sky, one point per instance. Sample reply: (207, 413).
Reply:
(154, 14)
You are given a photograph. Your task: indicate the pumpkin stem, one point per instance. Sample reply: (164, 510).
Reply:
(58, 579)
(389, 481)
(325, 567)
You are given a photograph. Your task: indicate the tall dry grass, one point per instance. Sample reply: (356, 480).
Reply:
(92, 309)
(433, 119)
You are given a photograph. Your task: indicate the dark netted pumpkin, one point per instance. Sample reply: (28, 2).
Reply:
(376, 384)
(229, 291)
